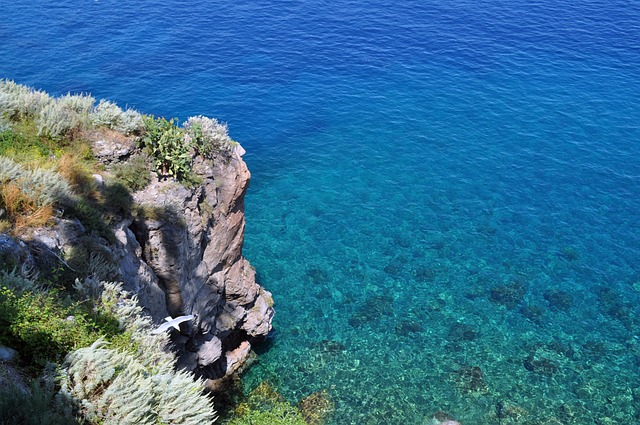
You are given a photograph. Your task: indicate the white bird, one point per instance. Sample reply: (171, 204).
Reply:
(172, 323)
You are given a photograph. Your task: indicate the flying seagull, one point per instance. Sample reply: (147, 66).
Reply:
(172, 323)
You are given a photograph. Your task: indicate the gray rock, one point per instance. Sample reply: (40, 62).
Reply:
(209, 352)
(7, 354)
(193, 245)
(110, 146)
(11, 378)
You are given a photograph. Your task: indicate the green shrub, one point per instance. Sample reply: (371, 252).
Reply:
(133, 174)
(44, 325)
(117, 200)
(17, 144)
(166, 144)
(41, 326)
(91, 218)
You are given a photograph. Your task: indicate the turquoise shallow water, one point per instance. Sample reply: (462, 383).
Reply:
(444, 198)
(460, 253)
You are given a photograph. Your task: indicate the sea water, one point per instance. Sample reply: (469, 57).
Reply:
(444, 196)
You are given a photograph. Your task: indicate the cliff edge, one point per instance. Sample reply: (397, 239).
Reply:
(193, 254)
(185, 258)
(178, 248)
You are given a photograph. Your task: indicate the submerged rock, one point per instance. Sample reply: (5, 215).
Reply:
(408, 327)
(316, 408)
(372, 309)
(462, 332)
(471, 379)
(540, 365)
(558, 299)
(509, 295)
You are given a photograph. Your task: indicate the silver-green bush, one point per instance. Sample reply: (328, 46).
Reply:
(108, 386)
(207, 135)
(20, 102)
(46, 187)
(110, 115)
(65, 114)
(56, 117)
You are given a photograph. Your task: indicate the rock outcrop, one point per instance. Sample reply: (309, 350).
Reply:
(184, 256)
(180, 253)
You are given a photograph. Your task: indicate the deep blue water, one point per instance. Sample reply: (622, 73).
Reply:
(445, 195)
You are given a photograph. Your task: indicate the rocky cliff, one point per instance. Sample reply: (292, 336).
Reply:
(192, 252)
(180, 253)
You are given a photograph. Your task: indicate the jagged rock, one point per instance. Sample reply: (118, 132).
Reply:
(210, 351)
(235, 358)
(12, 252)
(258, 319)
(11, 378)
(191, 239)
(7, 354)
(139, 277)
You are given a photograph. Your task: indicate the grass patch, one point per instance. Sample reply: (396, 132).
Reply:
(22, 143)
(41, 327)
(20, 210)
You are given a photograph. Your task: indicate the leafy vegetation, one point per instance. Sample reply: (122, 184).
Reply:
(133, 174)
(59, 117)
(22, 142)
(208, 136)
(165, 142)
(134, 386)
(64, 115)
(43, 186)
(18, 102)
(174, 147)
(110, 115)
(44, 325)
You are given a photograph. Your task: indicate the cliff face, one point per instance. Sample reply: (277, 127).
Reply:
(185, 257)
(180, 253)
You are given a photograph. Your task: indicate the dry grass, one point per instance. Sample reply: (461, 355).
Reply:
(78, 176)
(21, 210)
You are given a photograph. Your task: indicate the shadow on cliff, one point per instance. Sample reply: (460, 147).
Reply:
(77, 246)
(163, 258)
